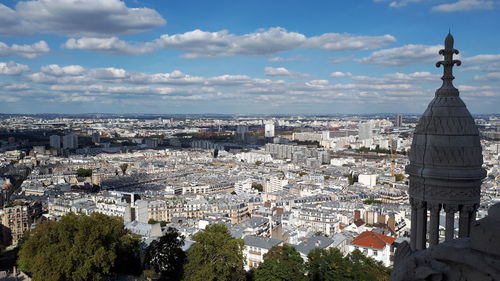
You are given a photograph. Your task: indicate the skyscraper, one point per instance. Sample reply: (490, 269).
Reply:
(70, 141)
(269, 131)
(55, 141)
(398, 121)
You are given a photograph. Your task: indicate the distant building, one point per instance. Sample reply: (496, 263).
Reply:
(242, 134)
(269, 131)
(365, 131)
(70, 141)
(368, 180)
(96, 138)
(55, 141)
(398, 122)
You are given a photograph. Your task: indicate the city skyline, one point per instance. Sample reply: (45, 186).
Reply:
(264, 58)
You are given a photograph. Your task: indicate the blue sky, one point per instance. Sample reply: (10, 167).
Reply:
(304, 57)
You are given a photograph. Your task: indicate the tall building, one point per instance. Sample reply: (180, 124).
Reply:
(242, 134)
(365, 131)
(70, 141)
(398, 121)
(445, 163)
(269, 130)
(55, 141)
(96, 137)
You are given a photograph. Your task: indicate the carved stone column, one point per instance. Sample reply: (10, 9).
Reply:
(450, 221)
(464, 220)
(413, 231)
(434, 224)
(473, 215)
(421, 225)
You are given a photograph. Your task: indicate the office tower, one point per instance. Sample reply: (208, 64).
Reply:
(398, 122)
(242, 134)
(70, 141)
(55, 141)
(269, 131)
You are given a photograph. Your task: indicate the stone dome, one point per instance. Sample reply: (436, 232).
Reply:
(446, 156)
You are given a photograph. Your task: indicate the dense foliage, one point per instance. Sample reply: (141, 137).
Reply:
(216, 256)
(281, 263)
(83, 173)
(79, 247)
(166, 256)
(331, 265)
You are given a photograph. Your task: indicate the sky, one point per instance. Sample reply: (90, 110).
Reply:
(243, 57)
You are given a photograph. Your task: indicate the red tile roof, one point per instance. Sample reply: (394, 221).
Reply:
(372, 239)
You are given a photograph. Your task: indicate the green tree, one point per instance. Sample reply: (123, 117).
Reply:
(367, 268)
(124, 167)
(331, 265)
(166, 256)
(215, 257)
(77, 247)
(400, 177)
(328, 265)
(281, 263)
(258, 186)
(82, 172)
(258, 163)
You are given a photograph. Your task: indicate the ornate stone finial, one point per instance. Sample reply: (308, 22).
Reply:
(448, 64)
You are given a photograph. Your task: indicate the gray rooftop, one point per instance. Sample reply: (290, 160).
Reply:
(261, 242)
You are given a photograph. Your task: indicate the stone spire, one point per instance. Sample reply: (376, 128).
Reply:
(445, 169)
(447, 89)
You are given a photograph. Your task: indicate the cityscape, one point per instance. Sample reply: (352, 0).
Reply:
(339, 153)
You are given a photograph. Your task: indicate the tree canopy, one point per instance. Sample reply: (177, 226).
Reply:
(331, 265)
(216, 256)
(83, 173)
(281, 263)
(166, 256)
(78, 247)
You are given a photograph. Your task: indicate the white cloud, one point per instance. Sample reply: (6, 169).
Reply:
(111, 45)
(281, 71)
(12, 68)
(398, 78)
(110, 85)
(402, 3)
(199, 43)
(56, 70)
(340, 74)
(108, 73)
(277, 71)
(77, 18)
(16, 87)
(281, 59)
(493, 76)
(464, 5)
(26, 51)
(344, 42)
(407, 54)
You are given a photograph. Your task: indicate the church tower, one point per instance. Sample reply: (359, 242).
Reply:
(445, 170)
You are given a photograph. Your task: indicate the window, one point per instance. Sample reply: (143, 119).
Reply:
(375, 252)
